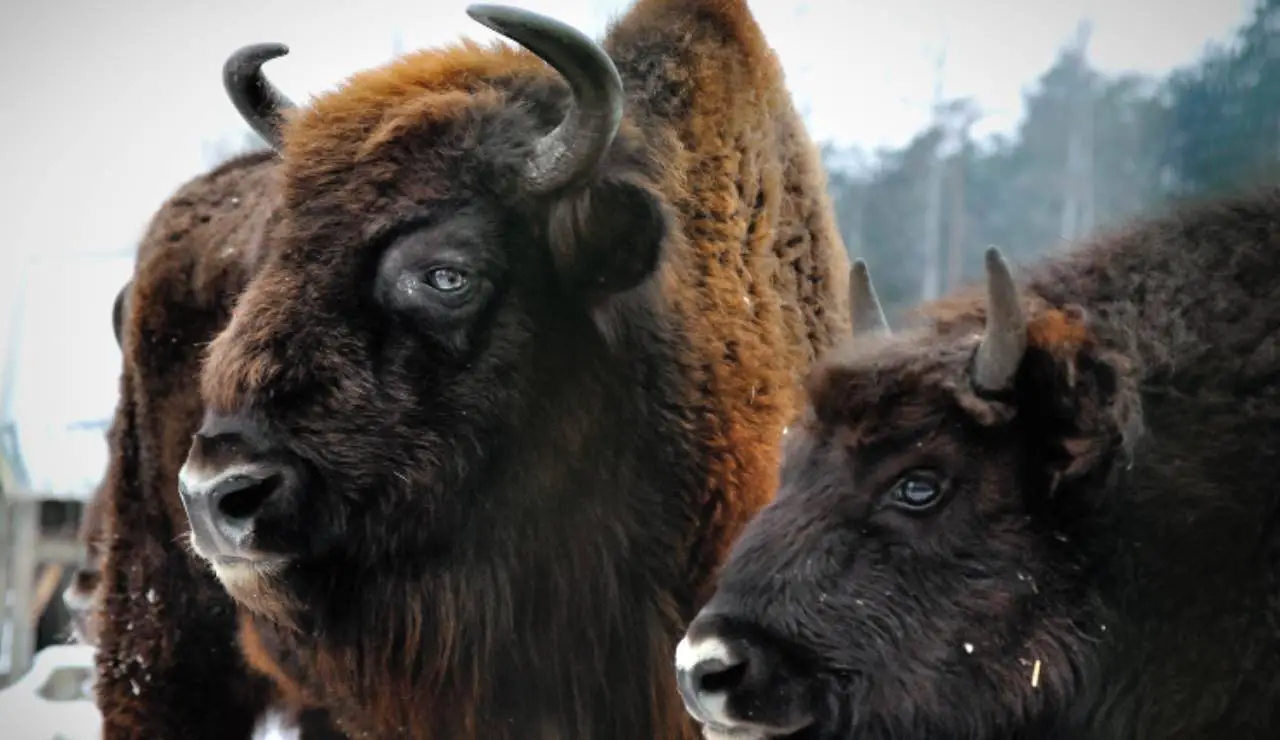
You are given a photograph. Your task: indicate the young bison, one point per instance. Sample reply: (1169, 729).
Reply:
(1047, 515)
(513, 370)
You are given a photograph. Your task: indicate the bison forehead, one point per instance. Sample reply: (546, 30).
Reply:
(415, 88)
(885, 378)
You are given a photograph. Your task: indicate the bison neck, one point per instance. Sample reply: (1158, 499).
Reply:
(578, 647)
(553, 613)
(1190, 296)
(1187, 560)
(1186, 549)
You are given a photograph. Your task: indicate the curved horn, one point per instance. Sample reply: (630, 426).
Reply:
(868, 317)
(575, 147)
(1005, 339)
(260, 103)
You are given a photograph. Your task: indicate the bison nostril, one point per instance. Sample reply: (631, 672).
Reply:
(241, 497)
(715, 675)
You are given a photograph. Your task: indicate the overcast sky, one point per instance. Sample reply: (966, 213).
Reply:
(108, 105)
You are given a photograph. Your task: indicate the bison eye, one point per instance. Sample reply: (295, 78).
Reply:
(916, 491)
(446, 279)
(447, 284)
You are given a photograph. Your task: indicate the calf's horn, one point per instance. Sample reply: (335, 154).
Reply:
(573, 150)
(868, 317)
(1005, 339)
(259, 102)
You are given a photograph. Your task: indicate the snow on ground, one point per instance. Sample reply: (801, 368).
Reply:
(29, 716)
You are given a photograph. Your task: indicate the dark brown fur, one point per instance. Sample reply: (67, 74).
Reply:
(1108, 526)
(169, 662)
(617, 455)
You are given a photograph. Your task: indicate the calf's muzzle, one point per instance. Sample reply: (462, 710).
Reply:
(736, 683)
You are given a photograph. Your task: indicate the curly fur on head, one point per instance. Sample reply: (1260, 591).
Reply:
(951, 561)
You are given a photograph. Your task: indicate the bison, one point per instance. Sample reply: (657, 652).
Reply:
(512, 369)
(169, 661)
(1043, 513)
(81, 597)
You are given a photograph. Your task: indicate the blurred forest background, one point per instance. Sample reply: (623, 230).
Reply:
(1091, 151)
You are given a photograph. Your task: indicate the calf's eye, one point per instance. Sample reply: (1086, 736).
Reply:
(918, 490)
(446, 279)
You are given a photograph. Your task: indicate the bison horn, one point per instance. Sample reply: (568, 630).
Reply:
(574, 149)
(259, 102)
(1005, 338)
(868, 317)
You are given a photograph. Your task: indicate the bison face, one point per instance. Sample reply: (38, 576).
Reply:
(917, 573)
(82, 599)
(406, 383)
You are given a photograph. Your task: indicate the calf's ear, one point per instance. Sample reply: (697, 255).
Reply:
(1079, 399)
(608, 237)
(1072, 399)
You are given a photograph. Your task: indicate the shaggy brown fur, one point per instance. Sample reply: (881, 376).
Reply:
(168, 659)
(505, 527)
(1098, 555)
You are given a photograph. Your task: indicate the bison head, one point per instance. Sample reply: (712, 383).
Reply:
(915, 575)
(424, 375)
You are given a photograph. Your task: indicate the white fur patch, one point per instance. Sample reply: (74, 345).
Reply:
(689, 655)
(197, 480)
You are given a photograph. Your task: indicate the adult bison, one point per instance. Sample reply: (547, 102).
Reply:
(82, 596)
(1049, 514)
(169, 662)
(513, 368)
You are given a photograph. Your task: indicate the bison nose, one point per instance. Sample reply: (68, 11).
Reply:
(79, 593)
(78, 598)
(231, 486)
(708, 671)
(732, 681)
(225, 507)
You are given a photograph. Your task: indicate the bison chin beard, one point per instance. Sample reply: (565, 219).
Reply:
(256, 585)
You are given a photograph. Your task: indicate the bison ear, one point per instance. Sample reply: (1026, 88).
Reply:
(117, 313)
(1080, 398)
(607, 237)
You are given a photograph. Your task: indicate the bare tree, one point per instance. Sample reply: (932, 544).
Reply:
(1078, 212)
(931, 277)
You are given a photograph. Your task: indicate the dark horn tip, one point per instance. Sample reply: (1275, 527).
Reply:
(258, 101)
(495, 16)
(254, 55)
